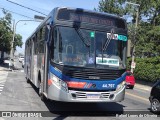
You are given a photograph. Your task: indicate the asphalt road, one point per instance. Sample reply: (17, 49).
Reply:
(18, 96)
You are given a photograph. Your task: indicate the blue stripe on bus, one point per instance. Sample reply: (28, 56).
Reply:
(100, 84)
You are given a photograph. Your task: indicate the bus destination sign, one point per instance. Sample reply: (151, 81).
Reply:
(90, 19)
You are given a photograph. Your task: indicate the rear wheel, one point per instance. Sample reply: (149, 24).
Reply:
(155, 106)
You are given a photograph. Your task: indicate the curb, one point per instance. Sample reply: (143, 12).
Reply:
(5, 70)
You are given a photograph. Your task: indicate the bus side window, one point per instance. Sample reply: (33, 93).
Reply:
(38, 36)
(51, 41)
(55, 46)
(35, 45)
(34, 40)
(41, 46)
(43, 33)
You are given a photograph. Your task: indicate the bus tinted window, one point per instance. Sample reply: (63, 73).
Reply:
(94, 18)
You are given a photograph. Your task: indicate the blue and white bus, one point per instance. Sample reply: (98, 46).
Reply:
(77, 55)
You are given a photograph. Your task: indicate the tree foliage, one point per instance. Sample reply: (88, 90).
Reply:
(111, 6)
(147, 37)
(6, 33)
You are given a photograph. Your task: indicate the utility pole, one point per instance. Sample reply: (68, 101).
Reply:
(14, 32)
(12, 42)
(136, 25)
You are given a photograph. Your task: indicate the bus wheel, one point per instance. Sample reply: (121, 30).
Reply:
(41, 95)
(43, 98)
(40, 88)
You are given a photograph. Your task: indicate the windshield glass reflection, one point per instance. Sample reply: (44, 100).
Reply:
(85, 48)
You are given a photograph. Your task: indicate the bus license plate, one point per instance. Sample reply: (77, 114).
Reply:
(93, 96)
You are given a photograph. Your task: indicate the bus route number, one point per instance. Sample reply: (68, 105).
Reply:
(108, 85)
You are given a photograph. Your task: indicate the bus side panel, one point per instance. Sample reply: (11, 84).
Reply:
(35, 71)
(40, 68)
(29, 61)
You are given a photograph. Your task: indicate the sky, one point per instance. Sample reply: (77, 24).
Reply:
(25, 28)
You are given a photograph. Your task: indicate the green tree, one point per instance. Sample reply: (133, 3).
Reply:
(6, 34)
(112, 7)
(147, 37)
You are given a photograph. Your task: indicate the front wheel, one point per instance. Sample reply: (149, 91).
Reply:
(155, 106)
(42, 96)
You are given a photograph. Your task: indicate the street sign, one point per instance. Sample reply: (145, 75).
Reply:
(39, 17)
(133, 65)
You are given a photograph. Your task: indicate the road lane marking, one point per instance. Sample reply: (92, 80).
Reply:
(143, 88)
(3, 79)
(2, 82)
(136, 96)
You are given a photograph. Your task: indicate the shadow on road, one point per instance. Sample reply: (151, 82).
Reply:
(84, 109)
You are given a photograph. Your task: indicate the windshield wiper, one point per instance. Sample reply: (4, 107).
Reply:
(106, 43)
(83, 38)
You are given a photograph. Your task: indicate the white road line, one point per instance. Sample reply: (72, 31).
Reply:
(1, 85)
(0, 90)
(145, 89)
(2, 81)
(140, 90)
(138, 97)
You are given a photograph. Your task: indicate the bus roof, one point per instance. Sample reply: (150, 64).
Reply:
(57, 9)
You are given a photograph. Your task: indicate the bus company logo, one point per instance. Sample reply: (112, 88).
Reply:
(93, 86)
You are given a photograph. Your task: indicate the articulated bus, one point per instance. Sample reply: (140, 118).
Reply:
(77, 55)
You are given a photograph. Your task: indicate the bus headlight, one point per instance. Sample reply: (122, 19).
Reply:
(55, 79)
(121, 85)
(60, 83)
(64, 85)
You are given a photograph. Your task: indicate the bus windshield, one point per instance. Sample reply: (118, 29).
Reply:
(85, 48)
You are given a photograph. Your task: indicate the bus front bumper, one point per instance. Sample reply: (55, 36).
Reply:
(55, 93)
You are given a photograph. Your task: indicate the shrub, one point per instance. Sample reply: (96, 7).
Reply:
(147, 69)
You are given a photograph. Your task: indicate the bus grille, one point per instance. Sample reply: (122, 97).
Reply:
(94, 74)
(90, 73)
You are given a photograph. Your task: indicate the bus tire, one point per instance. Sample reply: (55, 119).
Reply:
(43, 98)
(41, 95)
